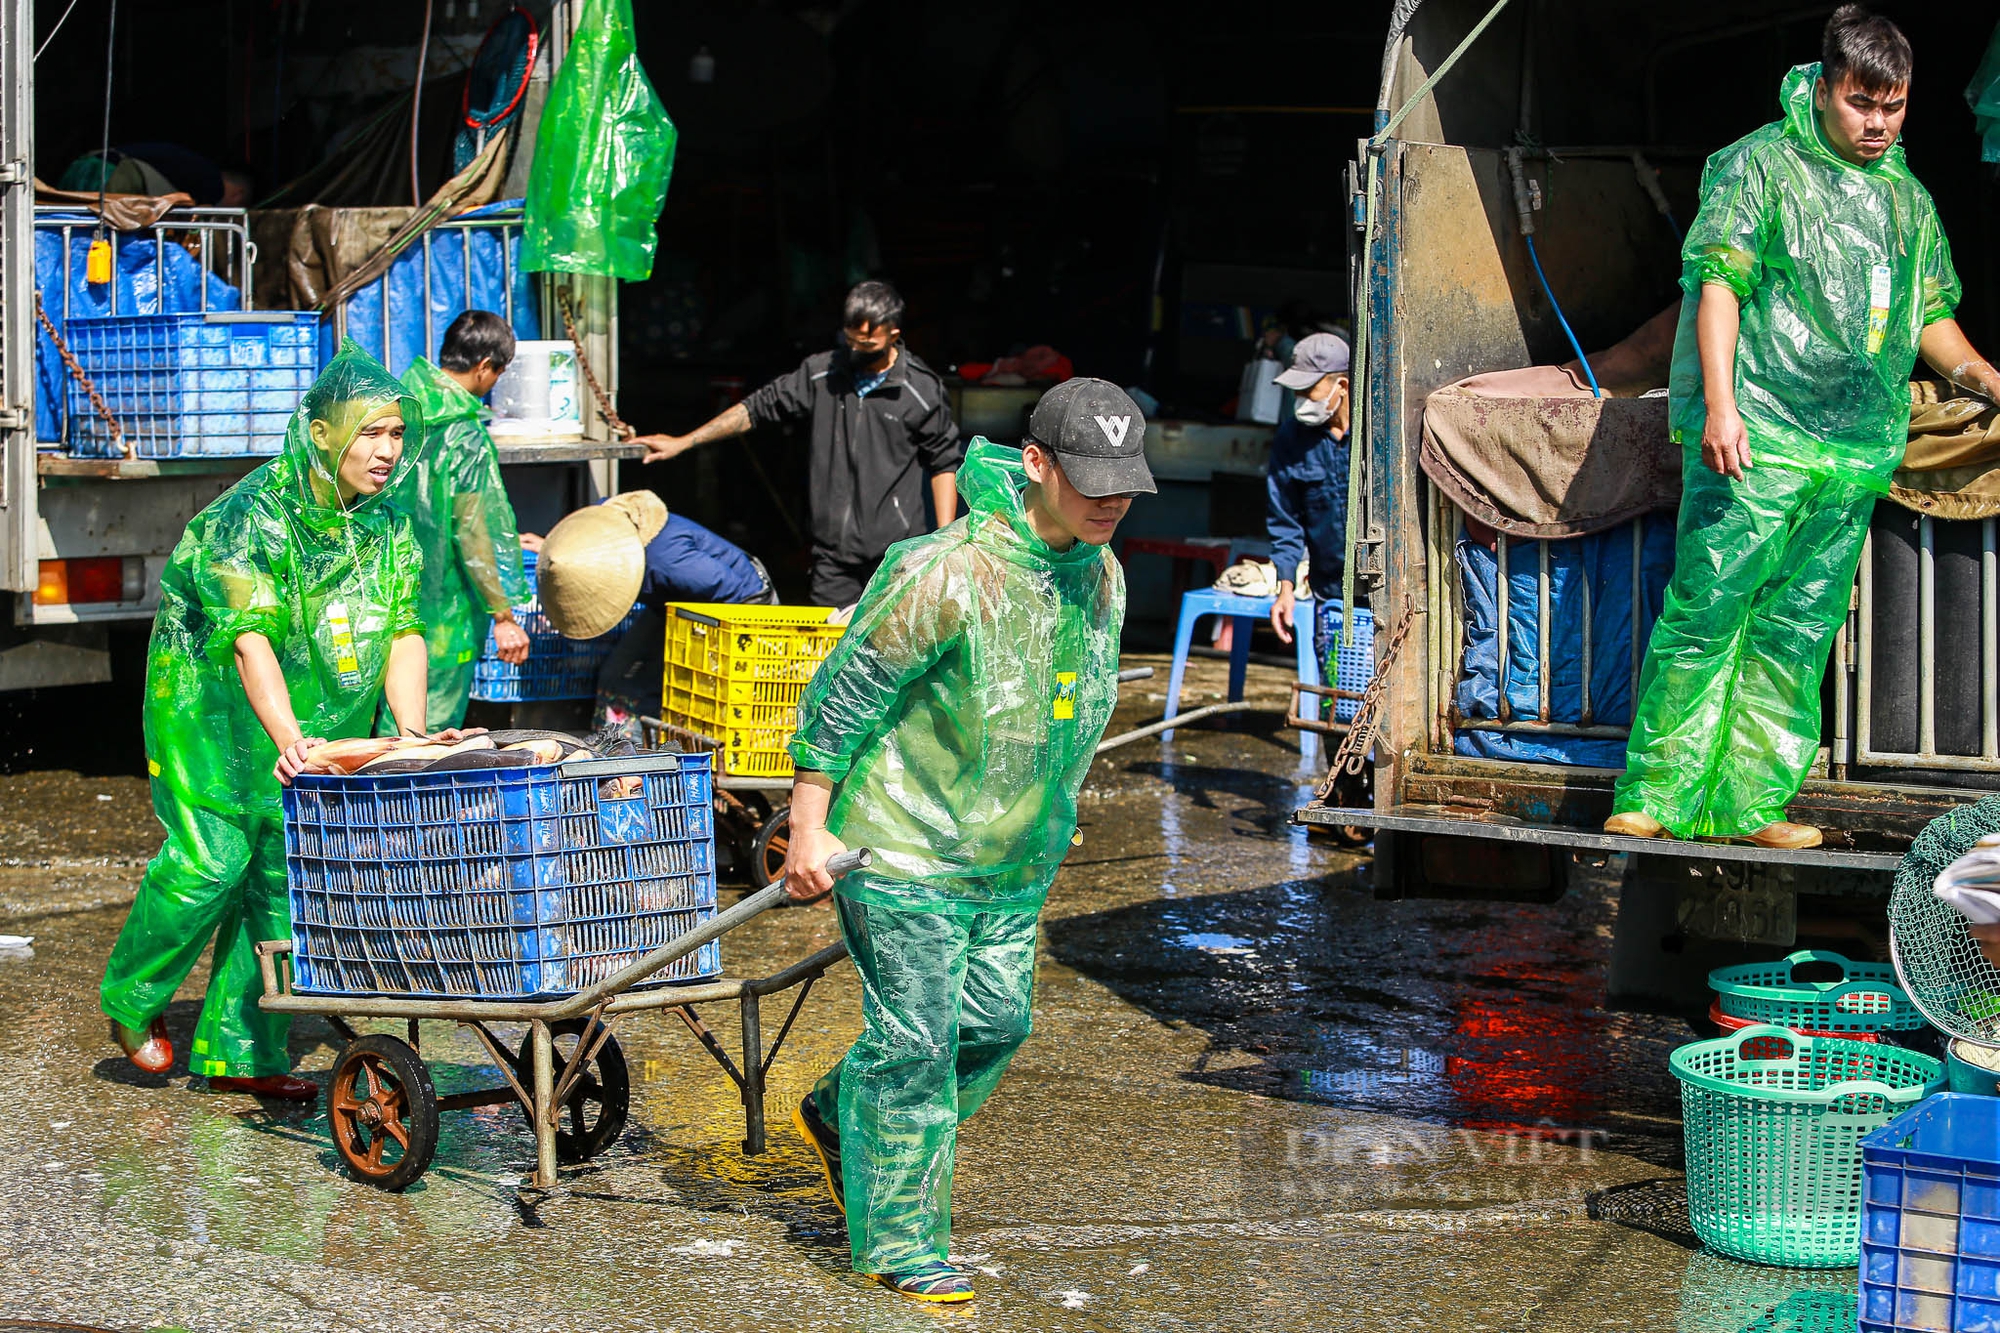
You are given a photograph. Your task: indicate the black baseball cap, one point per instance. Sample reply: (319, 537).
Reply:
(1098, 435)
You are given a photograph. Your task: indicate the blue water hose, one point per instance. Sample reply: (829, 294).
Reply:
(1554, 305)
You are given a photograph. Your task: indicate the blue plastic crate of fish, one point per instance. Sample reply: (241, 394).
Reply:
(1930, 1219)
(499, 884)
(557, 668)
(215, 383)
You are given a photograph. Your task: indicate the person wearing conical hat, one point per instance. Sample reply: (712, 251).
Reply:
(598, 562)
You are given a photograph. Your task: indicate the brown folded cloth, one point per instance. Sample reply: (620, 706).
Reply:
(1952, 467)
(1533, 453)
(124, 212)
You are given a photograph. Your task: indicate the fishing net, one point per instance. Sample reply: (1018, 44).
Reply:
(1941, 968)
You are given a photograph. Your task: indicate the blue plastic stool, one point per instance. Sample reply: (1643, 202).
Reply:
(1245, 611)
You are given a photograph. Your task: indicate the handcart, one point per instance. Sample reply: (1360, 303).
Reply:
(569, 1073)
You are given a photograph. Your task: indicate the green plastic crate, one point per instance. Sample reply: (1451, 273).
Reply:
(1865, 998)
(1773, 1122)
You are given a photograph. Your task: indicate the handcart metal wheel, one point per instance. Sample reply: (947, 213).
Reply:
(383, 1111)
(594, 1110)
(773, 841)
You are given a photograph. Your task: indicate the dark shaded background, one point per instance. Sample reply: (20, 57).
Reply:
(1135, 184)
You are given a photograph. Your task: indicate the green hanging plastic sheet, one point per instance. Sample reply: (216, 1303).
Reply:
(1983, 96)
(603, 155)
(960, 711)
(958, 715)
(1839, 268)
(331, 585)
(458, 511)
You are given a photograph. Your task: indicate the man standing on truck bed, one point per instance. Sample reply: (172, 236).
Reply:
(879, 424)
(1822, 273)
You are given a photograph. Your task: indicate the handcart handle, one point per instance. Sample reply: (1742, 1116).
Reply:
(859, 858)
(714, 928)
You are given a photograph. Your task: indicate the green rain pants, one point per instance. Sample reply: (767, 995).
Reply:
(220, 875)
(945, 1002)
(1728, 717)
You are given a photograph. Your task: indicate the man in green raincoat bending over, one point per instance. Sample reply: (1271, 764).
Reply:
(1820, 274)
(459, 511)
(949, 732)
(287, 611)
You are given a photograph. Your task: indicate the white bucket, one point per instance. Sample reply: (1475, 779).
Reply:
(538, 393)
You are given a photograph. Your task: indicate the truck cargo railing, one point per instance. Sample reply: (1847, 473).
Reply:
(453, 231)
(1448, 629)
(223, 231)
(1861, 645)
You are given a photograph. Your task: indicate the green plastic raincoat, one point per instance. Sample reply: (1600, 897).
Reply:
(1838, 269)
(331, 587)
(959, 713)
(958, 716)
(457, 507)
(603, 155)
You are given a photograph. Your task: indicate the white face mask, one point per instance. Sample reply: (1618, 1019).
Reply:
(1310, 413)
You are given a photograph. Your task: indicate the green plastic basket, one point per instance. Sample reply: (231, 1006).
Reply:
(1864, 998)
(1773, 1122)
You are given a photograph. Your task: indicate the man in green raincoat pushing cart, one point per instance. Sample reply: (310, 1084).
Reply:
(949, 732)
(287, 612)
(1817, 274)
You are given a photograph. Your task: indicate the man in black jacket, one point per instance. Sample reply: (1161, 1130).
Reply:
(880, 427)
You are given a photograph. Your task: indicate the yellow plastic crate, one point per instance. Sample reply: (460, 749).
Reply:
(734, 675)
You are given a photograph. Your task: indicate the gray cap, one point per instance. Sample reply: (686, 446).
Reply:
(1317, 356)
(1098, 435)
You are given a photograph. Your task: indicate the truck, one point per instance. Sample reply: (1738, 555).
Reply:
(83, 540)
(1531, 147)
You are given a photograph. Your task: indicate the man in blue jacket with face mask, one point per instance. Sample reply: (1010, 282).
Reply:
(1306, 486)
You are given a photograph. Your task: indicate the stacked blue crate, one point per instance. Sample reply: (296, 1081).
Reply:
(1930, 1219)
(499, 884)
(223, 383)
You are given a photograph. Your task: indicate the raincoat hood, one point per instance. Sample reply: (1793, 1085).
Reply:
(352, 391)
(995, 486)
(1804, 126)
(440, 398)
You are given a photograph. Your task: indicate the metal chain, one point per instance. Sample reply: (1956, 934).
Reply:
(77, 373)
(1352, 756)
(610, 413)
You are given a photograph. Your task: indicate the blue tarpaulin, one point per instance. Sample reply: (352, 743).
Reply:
(151, 279)
(468, 269)
(1603, 563)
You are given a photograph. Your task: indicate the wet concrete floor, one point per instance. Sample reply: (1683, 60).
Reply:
(1256, 1098)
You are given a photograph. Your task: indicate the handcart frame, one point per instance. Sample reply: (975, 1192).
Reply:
(401, 1106)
